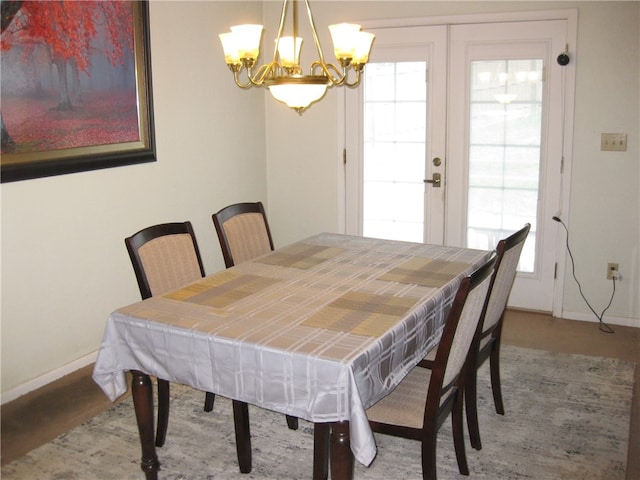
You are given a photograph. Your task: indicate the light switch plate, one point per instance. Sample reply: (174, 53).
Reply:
(613, 142)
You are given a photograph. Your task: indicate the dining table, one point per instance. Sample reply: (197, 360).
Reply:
(320, 329)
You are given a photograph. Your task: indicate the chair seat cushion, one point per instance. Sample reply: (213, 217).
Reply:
(485, 341)
(405, 405)
(431, 356)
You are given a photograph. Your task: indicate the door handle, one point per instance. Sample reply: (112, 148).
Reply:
(435, 181)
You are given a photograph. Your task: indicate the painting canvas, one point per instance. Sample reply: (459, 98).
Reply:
(76, 87)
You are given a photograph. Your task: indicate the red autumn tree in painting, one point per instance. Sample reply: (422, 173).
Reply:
(68, 34)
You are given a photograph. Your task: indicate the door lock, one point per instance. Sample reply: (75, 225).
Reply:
(435, 181)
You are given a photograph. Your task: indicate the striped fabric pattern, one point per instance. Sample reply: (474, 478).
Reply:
(247, 236)
(168, 261)
(320, 330)
(502, 286)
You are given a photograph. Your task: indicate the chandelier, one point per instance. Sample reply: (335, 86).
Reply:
(283, 76)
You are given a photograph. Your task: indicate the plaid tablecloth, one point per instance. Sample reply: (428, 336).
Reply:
(321, 329)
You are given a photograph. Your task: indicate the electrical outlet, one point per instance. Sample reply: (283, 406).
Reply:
(611, 268)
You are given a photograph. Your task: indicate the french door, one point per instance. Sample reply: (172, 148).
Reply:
(456, 138)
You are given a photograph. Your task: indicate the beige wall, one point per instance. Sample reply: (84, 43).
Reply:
(64, 265)
(604, 218)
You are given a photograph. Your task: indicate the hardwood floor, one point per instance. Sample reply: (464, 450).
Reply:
(40, 416)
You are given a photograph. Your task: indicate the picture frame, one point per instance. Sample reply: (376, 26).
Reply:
(102, 149)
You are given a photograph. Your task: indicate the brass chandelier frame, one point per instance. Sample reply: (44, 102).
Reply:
(275, 73)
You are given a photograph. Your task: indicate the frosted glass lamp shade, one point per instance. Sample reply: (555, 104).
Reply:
(230, 47)
(299, 92)
(247, 38)
(344, 39)
(363, 42)
(289, 51)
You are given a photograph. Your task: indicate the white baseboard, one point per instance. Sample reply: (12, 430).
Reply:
(609, 320)
(48, 377)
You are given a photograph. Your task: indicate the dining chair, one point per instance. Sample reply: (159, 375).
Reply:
(425, 397)
(420, 404)
(508, 253)
(243, 232)
(165, 257)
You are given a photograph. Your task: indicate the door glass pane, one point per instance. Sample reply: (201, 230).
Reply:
(394, 150)
(504, 153)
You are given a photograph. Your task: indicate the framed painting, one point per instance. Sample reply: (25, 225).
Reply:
(76, 87)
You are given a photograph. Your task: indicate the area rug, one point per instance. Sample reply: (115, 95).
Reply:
(567, 417)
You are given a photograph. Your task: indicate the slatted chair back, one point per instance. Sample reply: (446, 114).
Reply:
(243, 231)
(463, 325)
(508, 255)
(164, 257)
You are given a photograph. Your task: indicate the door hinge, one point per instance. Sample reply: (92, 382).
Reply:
(555, 271)
(344, 156)
(562, 164)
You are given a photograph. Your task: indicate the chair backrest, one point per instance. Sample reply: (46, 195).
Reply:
(165, 257)
(243, 232)
(507, 257)
(462, 325)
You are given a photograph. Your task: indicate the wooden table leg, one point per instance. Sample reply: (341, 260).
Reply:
(143, 404)
(341, 455)
(243, 435)
(321, 432)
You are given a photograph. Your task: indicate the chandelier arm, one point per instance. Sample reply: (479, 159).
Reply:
(295, 24)
(263, 72)
(342, 78)
(255, 80)
(315, 35)
(283, 17)
(356, 82)
(236, 78)
(326, 70)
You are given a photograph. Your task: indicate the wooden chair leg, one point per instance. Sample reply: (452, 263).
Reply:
(457, 426)
(429, 440)
(243, 435)
(321, 434)
(471, 405)
(292, 422)
(494, 367)
(209, 398)
(163, 411)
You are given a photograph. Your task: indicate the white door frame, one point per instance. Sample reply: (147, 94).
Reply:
(571, 16)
